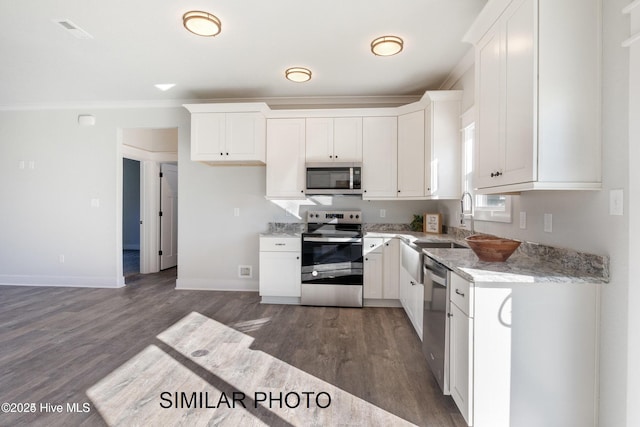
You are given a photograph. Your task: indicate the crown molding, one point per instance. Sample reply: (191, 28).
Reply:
(284, 103)
(467, 61)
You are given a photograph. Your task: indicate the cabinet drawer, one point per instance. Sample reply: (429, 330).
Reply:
(373, 244)
(280, 244)
(462, 294)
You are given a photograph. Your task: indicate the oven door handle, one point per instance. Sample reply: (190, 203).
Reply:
(332, 239)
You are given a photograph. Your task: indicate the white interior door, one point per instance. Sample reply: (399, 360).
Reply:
(168, 216)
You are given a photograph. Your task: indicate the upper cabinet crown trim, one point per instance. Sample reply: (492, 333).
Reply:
(231, 107)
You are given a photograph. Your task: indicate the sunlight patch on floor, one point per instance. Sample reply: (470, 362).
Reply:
(209, 374)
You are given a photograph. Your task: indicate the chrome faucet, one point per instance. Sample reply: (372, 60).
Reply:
(468, 213)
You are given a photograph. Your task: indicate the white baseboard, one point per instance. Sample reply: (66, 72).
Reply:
(393, 303)
(217, 285)
(281, 300)
(63, 281)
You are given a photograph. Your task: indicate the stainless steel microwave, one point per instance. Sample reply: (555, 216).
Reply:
(334, 178)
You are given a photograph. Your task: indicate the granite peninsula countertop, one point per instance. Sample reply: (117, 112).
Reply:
(531, 263)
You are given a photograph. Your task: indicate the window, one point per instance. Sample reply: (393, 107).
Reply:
(487, 207)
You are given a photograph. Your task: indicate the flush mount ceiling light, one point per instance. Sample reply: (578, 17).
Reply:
(202, 23)
(387, 45)
(298, 74)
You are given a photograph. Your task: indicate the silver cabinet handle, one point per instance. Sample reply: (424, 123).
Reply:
(281, 244)
(459, 293)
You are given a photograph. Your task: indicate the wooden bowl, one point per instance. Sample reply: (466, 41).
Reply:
(491, 248)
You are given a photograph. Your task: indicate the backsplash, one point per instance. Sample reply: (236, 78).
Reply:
(380, 228)
(287, 227)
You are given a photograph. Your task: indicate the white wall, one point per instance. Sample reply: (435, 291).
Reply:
(47, 210)
(633, 334)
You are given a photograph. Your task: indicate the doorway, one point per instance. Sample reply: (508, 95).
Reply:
(145, 154)
(130, 217)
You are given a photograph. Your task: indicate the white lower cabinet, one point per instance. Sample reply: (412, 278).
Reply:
(391, 269)
(373, 275)
(524, 354)
(411, 287)
(461, 348)
(381, 269)
(280, 265)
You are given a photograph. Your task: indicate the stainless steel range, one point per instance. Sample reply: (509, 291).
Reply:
(332, 259)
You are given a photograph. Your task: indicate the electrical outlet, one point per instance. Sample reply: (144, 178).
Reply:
(548, 223)
(383, 213)
(236, 211)
(95, 203)
(523, 220)
(61, 259)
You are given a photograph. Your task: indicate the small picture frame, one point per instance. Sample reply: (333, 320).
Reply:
(433, 223)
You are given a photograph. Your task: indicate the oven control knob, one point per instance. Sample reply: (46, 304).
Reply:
(351, 216)
(314, 273)
(357, 216)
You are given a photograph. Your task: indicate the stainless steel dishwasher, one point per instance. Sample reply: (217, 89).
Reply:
(435, 330)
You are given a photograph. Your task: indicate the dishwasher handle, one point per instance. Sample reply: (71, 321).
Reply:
(442, 281)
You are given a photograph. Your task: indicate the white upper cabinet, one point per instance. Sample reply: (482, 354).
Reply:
(228, 133)
(537, 95)
(285, 159)
(411, 155)
(379, 157)
(334, 139)
(442, 144)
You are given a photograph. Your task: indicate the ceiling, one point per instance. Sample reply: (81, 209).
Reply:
(137, 44)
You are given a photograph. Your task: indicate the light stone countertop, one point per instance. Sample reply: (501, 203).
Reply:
(556, 265)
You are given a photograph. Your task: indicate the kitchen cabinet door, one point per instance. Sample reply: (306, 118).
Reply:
(208, 133)
(319, 140)
(231, 138)
(379, 157)
(442, 145)
(334, 139)
(411, 155)
(506, 145)
(487, 152)
(391, 269)
(285, 159)
(373, 275)
(244, 137)
(347, 141)
(460, 361)
(280, 274)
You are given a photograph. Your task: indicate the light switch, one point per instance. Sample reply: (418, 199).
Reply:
(616, 202)
(383, 213)
(95, 203)
(523, 220)
(236, 211)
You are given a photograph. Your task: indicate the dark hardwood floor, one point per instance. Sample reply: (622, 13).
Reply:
(98, 346)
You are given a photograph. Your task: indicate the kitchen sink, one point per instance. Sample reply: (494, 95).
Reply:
(438, 245)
